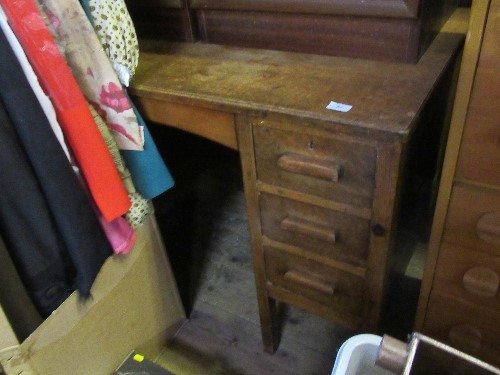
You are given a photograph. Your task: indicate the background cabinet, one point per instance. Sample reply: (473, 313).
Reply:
(460, 298)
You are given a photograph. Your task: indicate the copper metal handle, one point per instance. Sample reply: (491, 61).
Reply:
(300, 226)
(488, 228)
(392, 354)
(308, 166)
(481, 281)
(309, 282)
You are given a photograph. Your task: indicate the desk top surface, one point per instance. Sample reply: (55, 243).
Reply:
(385, 97)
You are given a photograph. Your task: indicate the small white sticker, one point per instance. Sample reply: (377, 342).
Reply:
(340, 107)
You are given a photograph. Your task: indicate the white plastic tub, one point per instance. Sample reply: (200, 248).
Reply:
(357, 356)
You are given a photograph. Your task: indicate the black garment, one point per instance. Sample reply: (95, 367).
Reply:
(16, 303)
(27, 226)
(80, 239)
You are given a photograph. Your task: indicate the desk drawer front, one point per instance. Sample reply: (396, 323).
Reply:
(466, 327)
(333, 288)
(469, 276)
(474, 219)
(333, 234)
(329, 168)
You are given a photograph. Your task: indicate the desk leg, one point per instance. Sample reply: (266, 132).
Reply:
(267, 309)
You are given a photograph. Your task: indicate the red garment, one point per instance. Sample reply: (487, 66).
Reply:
(72, 109)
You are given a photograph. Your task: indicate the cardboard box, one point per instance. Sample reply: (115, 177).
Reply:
(135, 306)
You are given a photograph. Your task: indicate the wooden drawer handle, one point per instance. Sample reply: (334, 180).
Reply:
(466, 338)
(300, 226)
(308, 166)
(310, 282)
(488, 228)
(481, 281)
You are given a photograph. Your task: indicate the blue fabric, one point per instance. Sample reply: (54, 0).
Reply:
(85, 6)
(150, 174)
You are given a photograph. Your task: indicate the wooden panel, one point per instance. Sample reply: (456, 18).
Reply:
(356, 162)
(233, 79)
(214, 125)
(468, 206)
(467, 276)
(387, 39)
(333, 288)
(480, 150)
(491, 48)
(332, 234)
(469, 328)
(391, 30)
(374, 8)
(477, 21)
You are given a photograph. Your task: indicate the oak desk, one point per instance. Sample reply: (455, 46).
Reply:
(321, 185)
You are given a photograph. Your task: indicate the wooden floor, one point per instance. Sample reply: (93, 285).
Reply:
(204, 224)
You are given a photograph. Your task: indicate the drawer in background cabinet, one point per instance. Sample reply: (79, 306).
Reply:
(329, 168)
(333, 289)
(469, 276)
(466, 327)
(323, 231)
(473, 219)
(479, 156)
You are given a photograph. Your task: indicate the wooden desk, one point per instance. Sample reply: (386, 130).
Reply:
(321, 185)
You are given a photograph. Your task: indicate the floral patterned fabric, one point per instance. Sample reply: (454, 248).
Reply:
(116, 31)
(93, 70)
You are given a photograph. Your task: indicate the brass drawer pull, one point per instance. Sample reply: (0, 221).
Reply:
(310, 282)
(488, 228)
(300, 226)
(481, 281)
(308, 166)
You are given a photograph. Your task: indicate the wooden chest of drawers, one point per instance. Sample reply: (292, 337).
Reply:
(388, 30)
(460, 299)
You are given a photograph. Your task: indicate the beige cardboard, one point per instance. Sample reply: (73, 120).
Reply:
(135, 305)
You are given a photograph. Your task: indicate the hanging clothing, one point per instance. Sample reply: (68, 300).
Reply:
(44, 101)
(78, 246)
(93, 70)
(27, 227)
(71, 107)
(150, 174)
(114, 151)
(139, 208)
(116, 31)
(14, 298)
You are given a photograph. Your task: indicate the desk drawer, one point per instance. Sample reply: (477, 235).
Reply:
(329, 233)
(466, 327)
(473, 219)
(469, 276)
(338, 170)
(332, 288)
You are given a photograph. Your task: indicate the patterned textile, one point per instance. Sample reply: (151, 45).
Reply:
(139, 208)
(72, 110)
(116, 31)
(113, 149)
(93, 70)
